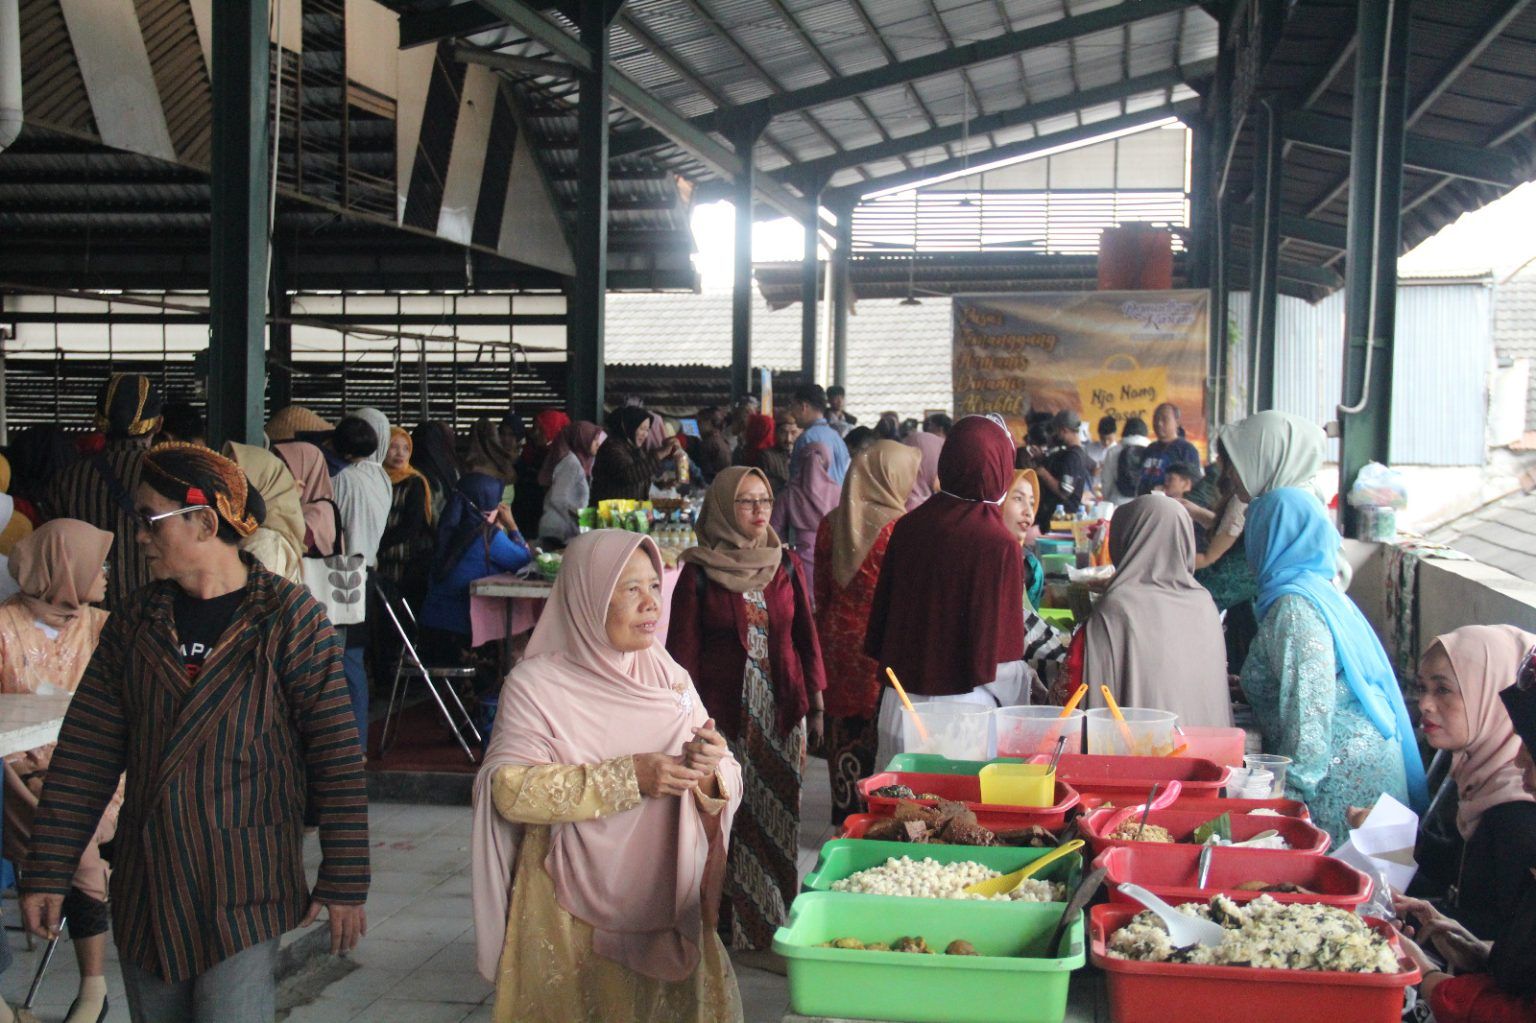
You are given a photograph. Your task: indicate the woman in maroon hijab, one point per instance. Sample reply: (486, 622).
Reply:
(945, 612)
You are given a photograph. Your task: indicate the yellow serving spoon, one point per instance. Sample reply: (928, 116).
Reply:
(1008, 882)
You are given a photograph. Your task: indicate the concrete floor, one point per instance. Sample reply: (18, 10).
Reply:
(417, 963)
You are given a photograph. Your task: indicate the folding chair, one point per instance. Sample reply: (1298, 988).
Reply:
(411, 666)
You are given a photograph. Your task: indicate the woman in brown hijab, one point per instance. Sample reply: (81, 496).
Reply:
(742, 628)
(48, 632)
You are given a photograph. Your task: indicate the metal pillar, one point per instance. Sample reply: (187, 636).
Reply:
(1217, 144)
(280, 377)
(741, 289)
(1264, 254)
(1375, 205)
(808, 289)
(238, 176)
(585, 382)
(840, 292)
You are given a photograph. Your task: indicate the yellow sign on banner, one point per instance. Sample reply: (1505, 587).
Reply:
(1123, 389)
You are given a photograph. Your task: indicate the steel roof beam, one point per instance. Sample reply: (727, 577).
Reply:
(1012, 151)
(958, 58)
(638, 101)
(809, 170)
(1301, 229)
(1432, 156)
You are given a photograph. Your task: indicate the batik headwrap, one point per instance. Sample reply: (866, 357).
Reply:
(128, 406)
(209, 479)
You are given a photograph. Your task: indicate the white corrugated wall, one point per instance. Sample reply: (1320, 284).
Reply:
(1440, 371)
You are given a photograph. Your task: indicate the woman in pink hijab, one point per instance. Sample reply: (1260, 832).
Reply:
(602, 813)
(799, 509)
(930, 444)
(1460, 677)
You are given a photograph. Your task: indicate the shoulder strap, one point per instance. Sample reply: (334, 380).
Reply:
(114, 485)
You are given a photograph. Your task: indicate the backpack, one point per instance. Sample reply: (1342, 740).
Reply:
(1128, 470)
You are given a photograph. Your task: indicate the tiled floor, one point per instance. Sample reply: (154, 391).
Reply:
(417, 963)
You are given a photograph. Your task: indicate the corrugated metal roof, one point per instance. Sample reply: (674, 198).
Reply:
(1502, 533)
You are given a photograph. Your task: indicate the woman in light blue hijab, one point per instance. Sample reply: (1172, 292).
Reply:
(1322, 688)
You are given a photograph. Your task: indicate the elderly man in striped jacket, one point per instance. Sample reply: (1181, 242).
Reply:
(218, 689)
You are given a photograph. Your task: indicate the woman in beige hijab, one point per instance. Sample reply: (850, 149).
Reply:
(48, 632)
(850, 547)
(1154, 638)
(742, 628)
(1460, 677)
(279, 542)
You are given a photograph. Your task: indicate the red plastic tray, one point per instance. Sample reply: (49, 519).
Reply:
(1158, 992)
(855, 825)
(1303, 837)
(1214, 805)
(966, 788)
(1116, 778)
(1169, 871)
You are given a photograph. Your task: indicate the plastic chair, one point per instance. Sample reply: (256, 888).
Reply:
(411, 667)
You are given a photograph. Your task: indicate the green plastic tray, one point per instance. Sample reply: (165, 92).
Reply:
(1012, 981)
(932, 763)
(844, 857)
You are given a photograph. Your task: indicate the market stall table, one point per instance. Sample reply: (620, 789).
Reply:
(28, 720)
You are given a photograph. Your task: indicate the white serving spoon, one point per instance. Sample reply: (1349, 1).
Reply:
(1183, 930)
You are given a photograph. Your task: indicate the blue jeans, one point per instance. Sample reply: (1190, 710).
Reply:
(241, 989)
(357, 688)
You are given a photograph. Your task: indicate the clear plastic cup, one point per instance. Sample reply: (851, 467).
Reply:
(959, 731)
(1026, 731)
(1150, 732)
(1275, 765)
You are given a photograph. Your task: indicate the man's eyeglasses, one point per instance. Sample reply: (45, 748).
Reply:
(754, 503)
(148, 521)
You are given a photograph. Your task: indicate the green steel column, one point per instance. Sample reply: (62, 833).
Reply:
(237, 287)
(1214, 169)
(280, 379)
(1375, 204)
(841, 288)
(585, 383)
(1264, 255)
(741, 287)
(808, 287)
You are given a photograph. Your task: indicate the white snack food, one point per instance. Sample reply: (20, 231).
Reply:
(930, 879)
(1264, 934)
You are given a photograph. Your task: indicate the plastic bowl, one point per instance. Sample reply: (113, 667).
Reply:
(1027, 731)
(1014, 980)
(1018, 784)
(1169, 871)
(1118, 779)
(966, 789)
(959, 731)
(1151, 732)
(1222, 745)
(1158, 992)
(932, 763)
(1215, 806)
(1304, 839)
(855, 826)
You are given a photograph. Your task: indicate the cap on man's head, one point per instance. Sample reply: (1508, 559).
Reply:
(1066, 419)
(128, 406)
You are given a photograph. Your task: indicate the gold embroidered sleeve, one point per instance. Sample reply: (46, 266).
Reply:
(564, 793)
(711, 805)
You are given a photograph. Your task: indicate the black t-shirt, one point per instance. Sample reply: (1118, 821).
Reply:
(200, 623)
(1073, 469)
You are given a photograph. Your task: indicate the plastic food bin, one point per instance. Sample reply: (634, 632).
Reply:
(856, 825)
(932, 763)
(965, 788)
(1304, 839)
(1118, 779)
(1014, 980)
(843, 857)
(1217, 806)
(1141, 992)
(960, 731)
(1151, 732)
(1027, 731)
(1169, 871)
(1221, 745)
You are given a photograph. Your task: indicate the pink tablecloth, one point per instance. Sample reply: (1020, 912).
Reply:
(491, 620)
